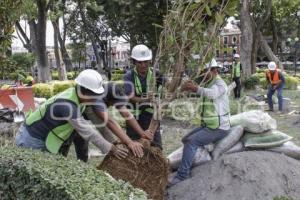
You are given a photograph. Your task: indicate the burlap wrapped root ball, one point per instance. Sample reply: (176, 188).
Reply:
(149, 173)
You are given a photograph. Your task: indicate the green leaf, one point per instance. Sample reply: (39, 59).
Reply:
(219, 18)
(208, 11)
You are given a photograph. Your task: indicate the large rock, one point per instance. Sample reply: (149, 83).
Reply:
(248, 175)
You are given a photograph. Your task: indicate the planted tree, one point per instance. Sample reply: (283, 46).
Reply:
(190, 27)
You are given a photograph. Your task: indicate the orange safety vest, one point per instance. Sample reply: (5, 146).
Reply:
(275, 79)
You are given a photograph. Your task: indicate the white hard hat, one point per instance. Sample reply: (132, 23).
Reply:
(272, 65)
(141, 53)
(91, 80)
(212, 63)
(236, 55)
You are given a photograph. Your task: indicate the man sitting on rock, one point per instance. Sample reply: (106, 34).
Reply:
(214, 117)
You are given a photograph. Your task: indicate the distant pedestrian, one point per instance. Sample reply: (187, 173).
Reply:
(236, 75)
(276, 82)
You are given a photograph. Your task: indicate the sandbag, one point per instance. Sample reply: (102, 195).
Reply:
(229, 141)
(289, 149)
(175, 157)
(254, 121)
(272, 138)
(238, 147)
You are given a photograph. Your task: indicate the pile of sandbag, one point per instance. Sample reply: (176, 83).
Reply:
(252, 130)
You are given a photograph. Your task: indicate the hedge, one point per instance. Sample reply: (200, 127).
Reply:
(48, 90)
(251, 82)
(27, 174)
(117, 77)
(43, 90)
(54, 75)
(291, 82)
(59, 86)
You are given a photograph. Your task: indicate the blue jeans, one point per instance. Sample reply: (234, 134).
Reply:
(198, 137)
(25, 140)
(279, 96)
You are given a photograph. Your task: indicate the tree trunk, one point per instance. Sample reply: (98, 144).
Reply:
(26, 43)
(274, 34)
(41, 51)
(62, 74)
(98, 58)
(255, 47)
(268, 51)
(32, 37)
(64, 53)
(247, 38)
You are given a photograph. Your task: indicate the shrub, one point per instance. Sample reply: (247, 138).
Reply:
(261, 75)
(291, 82)
(260, 70)
(264, 83)
(227, 78)
(13, 76)
(28, 80)
(5, 86)
(59, 86)
(118, 71)
(71, 75)
(28, 174)
(117, 77)
(54, 75)
(252, 81)
(42, 90)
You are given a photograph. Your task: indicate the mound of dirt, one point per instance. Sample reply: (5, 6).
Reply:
(247, 175)
(149, 173)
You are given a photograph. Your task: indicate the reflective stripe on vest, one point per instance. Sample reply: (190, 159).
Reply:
(139, 90)
(60, 133)
(209, 116)
(137, 83)
(237, 69)
(275, 80)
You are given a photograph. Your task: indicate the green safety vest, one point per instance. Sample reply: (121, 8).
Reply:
(209, 116)
(57, 136)
(139, 90)
(236, 69)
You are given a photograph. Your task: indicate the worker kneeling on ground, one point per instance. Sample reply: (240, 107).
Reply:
(54, 122)
(214, 117)
(98, 114)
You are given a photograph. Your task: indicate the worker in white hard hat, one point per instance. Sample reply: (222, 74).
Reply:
(53, 123)
(137, 83)
(214, 112)
(236, 73)
(276, 82)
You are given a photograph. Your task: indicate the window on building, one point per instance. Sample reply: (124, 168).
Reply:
(217, 53)
(234, 40)
(225, 40)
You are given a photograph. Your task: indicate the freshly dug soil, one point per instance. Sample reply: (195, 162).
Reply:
(249, 175)
(149, 173)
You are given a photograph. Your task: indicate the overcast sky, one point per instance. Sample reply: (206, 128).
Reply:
(49, 33)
